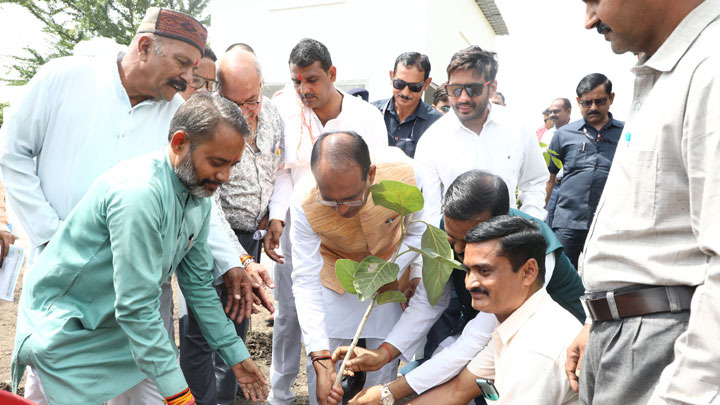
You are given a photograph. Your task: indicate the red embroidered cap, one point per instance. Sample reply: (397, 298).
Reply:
(176, 25)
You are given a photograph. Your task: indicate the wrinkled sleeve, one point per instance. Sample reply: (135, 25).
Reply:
(225, 248)
(431, 184)
(195, 278)
(448, 363)
(307, 286)
(693, 376)
(23, 135)
(533, 176)
(134, 224)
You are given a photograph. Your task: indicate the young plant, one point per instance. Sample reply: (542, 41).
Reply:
(365, 278)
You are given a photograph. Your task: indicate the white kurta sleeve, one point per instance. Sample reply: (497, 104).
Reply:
(307, 286)
(226, 254)
(448, 363)
(533, 176)
(23, 136)
(426, 170)
(281, 195)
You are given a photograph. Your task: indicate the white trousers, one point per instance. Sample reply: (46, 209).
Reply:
(287, 335)
(144, 392)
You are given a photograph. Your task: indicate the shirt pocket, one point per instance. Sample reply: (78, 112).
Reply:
(631, 206)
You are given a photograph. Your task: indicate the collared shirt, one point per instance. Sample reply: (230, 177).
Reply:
(586, 154)
(526, 355)
(88, 320)
(244, 198)
(302, 127)
(75, 123)
(406, 134)
(504, 147)
(658, 221)
(322, 312)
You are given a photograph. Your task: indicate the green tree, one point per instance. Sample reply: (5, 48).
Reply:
(2, 107)
(71, 21)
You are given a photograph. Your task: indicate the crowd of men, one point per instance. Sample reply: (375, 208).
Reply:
(165, 159)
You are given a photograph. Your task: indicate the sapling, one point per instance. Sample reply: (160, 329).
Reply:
(365, 278)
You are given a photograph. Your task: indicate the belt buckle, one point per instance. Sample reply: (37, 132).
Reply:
(586, 308)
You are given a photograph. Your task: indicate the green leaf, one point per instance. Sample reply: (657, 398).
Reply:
(391, 296)
(546, 156)
(543, 145)
(438, 262)
(553, 152)
(434, 256)
(345, 271)
(373, 273)
(557, 162)
(397, 196)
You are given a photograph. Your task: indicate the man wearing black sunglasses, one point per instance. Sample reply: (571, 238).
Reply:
(479, 135)
(586, 148)
(406, 115)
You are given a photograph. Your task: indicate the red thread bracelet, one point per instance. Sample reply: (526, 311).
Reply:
(384, 345)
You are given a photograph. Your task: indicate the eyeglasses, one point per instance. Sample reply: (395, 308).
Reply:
(251, 105)
(335, 204)
(414, 87)
(198, 82)
(472, 89)
(556, 111)
(598, 102)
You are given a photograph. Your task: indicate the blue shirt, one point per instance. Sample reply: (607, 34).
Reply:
(406, 134)
(586, 155)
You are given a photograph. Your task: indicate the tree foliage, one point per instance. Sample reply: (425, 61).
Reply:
(2, 107)
(68, 22)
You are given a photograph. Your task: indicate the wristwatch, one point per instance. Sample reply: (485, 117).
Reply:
(386, 397)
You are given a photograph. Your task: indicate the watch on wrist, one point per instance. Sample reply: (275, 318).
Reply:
(386, 397)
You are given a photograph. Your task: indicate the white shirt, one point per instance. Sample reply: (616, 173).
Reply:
(322, 312)
(526, 355)
(74, 123)
(658, 222)
(302, 127)
(504, 147)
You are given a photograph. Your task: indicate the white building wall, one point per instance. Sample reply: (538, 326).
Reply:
(363, 36)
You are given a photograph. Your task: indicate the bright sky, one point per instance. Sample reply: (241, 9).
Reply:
(546, 54)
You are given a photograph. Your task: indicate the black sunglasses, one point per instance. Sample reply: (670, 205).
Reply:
(414, 87)
(472, 89)
(598, 102)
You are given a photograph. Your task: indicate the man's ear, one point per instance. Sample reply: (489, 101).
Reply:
(493, 88)
(427, 83)
(371, 175)
(178, 141)
(144, 45)
(332, 72)
(530, 272)
(611, 98)
(390, 72)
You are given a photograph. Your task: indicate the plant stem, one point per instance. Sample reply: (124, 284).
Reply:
(355, 339)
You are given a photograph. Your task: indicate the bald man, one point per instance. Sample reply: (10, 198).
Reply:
(244, 202)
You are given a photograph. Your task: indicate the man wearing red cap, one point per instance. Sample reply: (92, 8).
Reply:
(82, 115)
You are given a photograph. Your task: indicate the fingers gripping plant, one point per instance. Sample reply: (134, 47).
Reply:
(365, 278)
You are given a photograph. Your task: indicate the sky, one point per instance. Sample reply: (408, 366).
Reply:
(546, 54)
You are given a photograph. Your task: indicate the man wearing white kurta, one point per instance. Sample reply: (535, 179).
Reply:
(479, 135)
(334, 217)
(83, 114)
(312, 107)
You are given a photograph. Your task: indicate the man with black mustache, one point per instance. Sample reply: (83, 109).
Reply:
(84, 114)
(406, 115)
(586, 148)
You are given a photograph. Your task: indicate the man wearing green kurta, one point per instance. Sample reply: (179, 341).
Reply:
(88, 321)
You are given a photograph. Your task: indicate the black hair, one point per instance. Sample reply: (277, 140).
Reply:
(208, 53)
(502, 96)
(309, 51)
(420, 61)
(520, 241)
(591, 81)
(352, 149)
(474, 57)
(475, 192)
(440, 95)
(566, 103)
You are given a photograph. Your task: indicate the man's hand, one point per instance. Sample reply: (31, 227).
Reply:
(262, 226)
(392, 286)
(362, 359)
(409, 290)
(252, 381)
(368, 396)
(325, 372)
(272, 240)
(259, 275)
(575, 353)
(239, 292)
(6, 239)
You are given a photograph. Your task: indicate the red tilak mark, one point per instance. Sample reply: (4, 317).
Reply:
(300, 76)
(236, 158)
(197, 62)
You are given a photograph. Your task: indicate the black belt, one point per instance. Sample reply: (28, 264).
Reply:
(651, 300)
